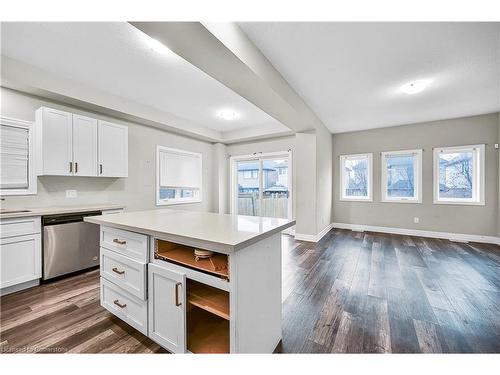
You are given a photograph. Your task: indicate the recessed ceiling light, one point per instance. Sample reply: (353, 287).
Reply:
(228, 114)
(415, 86)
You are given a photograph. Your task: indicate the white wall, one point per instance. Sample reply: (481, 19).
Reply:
(137, 191)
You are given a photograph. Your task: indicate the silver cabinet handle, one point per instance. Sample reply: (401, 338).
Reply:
(117, 303)
(177, 303)
(70, 167)
(100, 168)
(76, 167)
(116, 270)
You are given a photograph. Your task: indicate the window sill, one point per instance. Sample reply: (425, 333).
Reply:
(175, 202)
(458, 203)
(356, 200)
(414, 201)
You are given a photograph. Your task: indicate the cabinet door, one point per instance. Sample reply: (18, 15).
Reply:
(57, 139)
(167, 308)
(20, 259)
(84, 146)
(113, 150)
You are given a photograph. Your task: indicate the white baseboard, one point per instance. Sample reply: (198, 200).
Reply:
(312, 237)
(422, 233)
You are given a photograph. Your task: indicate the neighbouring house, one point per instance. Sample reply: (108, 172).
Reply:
(274, 178)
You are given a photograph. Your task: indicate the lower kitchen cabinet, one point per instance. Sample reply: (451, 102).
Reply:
(167, 308)
(21, 259)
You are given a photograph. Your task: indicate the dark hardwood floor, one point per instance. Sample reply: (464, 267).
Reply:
(349, 293)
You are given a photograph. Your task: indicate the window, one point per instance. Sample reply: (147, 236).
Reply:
(179, 176)
(402, 176)
(356, 177)
(459, 175)
(17, 172)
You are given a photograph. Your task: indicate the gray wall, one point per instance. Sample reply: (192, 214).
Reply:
(136, 192)
(324, 179)
(480, 220)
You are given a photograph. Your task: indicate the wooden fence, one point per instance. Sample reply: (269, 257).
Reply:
(249, 204)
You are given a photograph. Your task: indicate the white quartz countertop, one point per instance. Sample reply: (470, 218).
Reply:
(222, 231)
(54, 210)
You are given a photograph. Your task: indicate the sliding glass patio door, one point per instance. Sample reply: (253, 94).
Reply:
(261, 186)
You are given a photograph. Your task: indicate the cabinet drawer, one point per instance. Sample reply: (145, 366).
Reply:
(124, 272)
(133, 245)
(124, 305)
(19, 226)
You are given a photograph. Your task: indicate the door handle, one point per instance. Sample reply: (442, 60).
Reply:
(100, 168)
(115, 270)
(177, 303)
(76, 167)
(117, 303)
(119, 242)
(70, 167)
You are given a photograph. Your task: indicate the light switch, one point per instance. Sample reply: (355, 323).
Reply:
(416, 220)
(71, 194)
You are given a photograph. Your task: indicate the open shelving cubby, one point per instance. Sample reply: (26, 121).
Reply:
(217, 265)
(207, 318)
(207, 308)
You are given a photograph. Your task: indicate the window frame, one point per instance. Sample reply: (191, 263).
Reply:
(32, 177)
(369, 197)
(417, 176)
(479, 178)
(197, 195)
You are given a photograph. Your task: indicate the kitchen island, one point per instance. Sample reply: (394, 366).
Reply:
(226, 300)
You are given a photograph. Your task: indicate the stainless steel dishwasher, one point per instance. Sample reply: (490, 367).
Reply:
(69, 244)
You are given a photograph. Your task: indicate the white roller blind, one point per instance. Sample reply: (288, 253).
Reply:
(14, 149)
(178, 169)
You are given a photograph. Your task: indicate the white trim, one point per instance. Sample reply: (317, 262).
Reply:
(369, 176)
(32, 178)
(312, 237)
(417, 176)
(422, 233)
(478, 198)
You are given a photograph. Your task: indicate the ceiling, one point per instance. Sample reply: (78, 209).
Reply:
(350, 74)
(114, 57)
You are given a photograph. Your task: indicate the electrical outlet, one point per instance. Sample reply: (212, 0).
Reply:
(416, 220)
(71, 194)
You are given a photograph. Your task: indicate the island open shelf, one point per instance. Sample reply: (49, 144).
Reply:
(216, 265)
(206, 332)
(213, 300)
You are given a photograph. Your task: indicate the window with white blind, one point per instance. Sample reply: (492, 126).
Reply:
(179, 176)
(17, 173)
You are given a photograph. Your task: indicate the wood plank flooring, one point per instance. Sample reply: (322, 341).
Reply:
(349, 293)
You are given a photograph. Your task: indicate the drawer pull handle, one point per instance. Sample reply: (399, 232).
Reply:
(119, 242)
(115, 270)
(119, 304)
(177, 303)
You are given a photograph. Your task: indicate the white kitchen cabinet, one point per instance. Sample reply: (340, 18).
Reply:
(54, 141)
(84, 146)
(74, 145)
(167, 308)
(20, 259)
(112, 150)
(20, 251)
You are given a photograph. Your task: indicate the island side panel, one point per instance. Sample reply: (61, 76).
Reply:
(256, 296)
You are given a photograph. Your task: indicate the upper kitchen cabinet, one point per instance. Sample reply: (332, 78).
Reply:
(75, 145)
(54, 142)
(112, 150)
(84, 146)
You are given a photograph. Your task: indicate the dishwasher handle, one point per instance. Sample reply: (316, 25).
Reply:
(67, 218)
